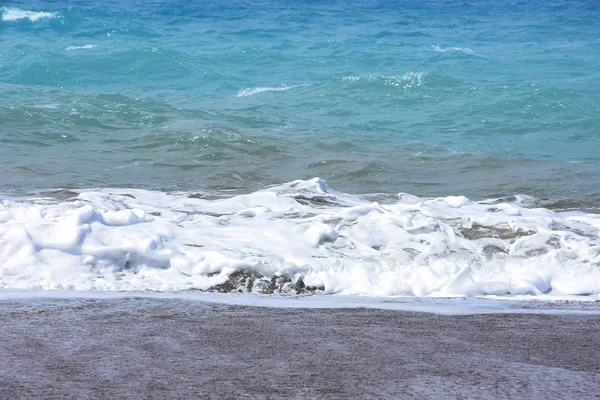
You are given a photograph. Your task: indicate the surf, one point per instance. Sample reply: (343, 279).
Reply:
(298, 237)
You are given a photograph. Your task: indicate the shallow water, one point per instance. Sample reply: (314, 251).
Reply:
(436, 98)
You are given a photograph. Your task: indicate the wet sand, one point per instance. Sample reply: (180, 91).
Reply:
(170, 348)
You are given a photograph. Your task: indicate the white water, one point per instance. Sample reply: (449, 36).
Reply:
(84, 47)
(15, 14)
(452, 49)
(304, 230)
(256, 90)
(442, 306)
(405, 81)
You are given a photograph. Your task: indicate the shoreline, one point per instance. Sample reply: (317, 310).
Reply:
(456, 305)
(144, 347)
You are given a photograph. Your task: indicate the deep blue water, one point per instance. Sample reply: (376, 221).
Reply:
(484, 99)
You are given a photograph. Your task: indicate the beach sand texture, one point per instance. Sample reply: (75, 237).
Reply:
(170, 348)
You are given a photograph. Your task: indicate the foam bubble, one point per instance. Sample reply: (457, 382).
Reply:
(302, 236)
(84, 47)
(15, 14)
(255, 90)
(406, 80)
(452, 49)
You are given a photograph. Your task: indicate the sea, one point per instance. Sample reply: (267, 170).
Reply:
(436, 148)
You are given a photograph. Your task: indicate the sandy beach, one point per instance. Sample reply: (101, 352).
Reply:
(169, 348)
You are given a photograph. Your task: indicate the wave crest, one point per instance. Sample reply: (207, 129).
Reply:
(407, 80)
(298, 237)
(464, 50)
(84, 47)
(255, 90)
(15, 14)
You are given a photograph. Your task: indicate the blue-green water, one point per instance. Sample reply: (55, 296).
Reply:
(483, 99)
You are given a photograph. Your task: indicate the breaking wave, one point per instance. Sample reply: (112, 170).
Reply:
(15, 14)
(84, 47)
(255, 90)
(452, 49)
(299, 237)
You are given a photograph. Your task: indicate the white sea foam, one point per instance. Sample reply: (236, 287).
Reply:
(14, 14)
(47, 106)
(303, 230)
(440, 49)
(443, 306)
(255, 90)
(84, 47)
(406, 80)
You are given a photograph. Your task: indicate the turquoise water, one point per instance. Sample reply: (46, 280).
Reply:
(483, 99)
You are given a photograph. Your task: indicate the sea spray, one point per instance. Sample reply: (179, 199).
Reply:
(299, 237)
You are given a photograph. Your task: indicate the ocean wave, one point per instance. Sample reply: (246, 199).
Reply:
(255, 90)
(406, 80)
(15, 14)
(299, 237)
(84, 47)
(464, 50)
